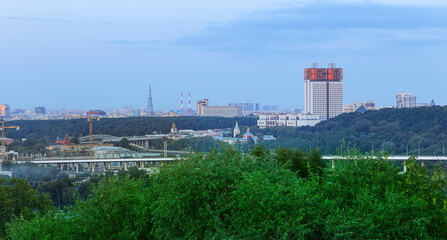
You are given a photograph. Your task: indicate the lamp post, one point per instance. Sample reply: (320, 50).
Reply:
(406, 143)
(419, 147)
(443, 148)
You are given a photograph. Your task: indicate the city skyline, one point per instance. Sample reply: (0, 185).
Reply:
(254, 52)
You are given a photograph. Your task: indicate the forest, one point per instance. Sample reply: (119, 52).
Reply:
(226, 194)
(397, 131)
(391, 130)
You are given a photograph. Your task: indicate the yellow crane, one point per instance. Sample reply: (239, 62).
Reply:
(3, 141)
(90, 120)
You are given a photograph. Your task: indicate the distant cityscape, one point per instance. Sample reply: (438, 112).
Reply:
(323, 99)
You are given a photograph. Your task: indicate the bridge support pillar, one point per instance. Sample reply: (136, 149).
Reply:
(105, 167)
(125, 166)
(405, 166)
(77, 167)
(422, 163)
(121, 165)
(61, 165)
(333, 163)
(109, 165)
(93, 167)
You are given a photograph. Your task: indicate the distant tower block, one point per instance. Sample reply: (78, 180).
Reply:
(150, 106)
(323, 91)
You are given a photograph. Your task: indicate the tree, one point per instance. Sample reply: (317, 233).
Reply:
(124, 143)
(17, 198)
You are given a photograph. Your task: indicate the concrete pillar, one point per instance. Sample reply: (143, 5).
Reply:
(62, 167)
(77, 167)
(110, 165)
(121, 165)
(93, 167)
(333, 163)
(422, 163)
(105, 167)
(405, 166)
(125, 166)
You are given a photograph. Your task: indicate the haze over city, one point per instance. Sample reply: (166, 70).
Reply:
(71, 55)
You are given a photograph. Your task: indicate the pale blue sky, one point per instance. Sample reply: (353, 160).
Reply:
(104, 54)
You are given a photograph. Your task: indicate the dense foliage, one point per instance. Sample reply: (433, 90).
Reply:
(17, 198)
(285, 194)
(51, 129)
(391, 130)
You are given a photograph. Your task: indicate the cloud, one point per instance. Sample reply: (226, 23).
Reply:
(317, 27)
(37, 19)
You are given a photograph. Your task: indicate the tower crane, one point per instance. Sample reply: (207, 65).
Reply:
(3, 141)
(90, 118)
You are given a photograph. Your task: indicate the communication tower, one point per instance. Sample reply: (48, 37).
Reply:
(150, 106)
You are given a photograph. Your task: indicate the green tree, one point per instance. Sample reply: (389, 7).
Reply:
(124, 143)
(17, 198)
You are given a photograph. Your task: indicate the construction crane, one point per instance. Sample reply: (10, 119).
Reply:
(3, 141)
(90, 118)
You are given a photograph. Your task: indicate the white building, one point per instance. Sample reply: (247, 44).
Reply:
(288, 120)
(323, 91)
(405, 100)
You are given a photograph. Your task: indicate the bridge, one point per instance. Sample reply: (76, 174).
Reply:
(404, 159)
(140, 141)
(74, 164)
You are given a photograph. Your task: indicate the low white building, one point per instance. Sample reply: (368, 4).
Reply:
(288, 120)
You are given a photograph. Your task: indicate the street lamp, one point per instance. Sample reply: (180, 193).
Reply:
(419, 147)
(406, 143)
(443, 148)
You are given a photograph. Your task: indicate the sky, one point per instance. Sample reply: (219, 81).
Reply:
(104, 54)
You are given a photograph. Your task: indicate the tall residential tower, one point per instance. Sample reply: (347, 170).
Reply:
(323, 91)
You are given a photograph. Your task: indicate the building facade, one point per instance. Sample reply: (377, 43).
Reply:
(369, 105)
(323, 91)
(40, 110)
(288, 120)
(405, 100)
(5, 111)
(247, 108)
(221, 111)
(200, 104)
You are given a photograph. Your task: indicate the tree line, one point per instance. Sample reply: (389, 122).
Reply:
(415, 131)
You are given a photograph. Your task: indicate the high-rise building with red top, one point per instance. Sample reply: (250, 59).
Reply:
(323, 91)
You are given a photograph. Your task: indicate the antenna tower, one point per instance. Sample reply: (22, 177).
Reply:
(150, 106)
(181, 102)
(189, 103)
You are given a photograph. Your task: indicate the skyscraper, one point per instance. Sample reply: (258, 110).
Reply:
(323, 91)
(5, 110)
(150, 106)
